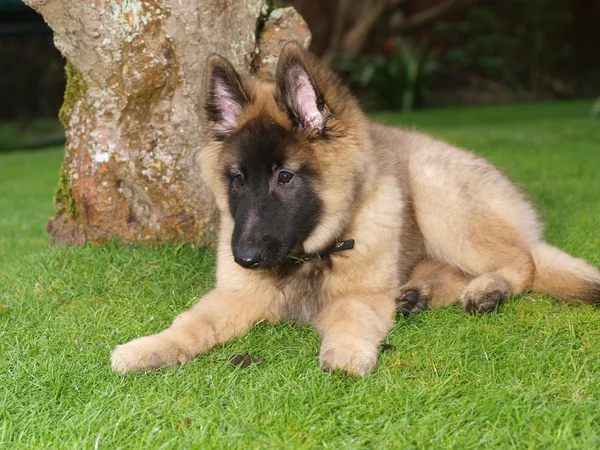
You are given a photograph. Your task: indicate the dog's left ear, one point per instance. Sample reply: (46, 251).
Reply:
(298, 79)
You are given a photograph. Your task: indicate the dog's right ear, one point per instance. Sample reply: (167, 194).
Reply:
(224, 96)
(299, 91)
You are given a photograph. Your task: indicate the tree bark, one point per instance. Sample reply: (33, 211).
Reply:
(134, 76)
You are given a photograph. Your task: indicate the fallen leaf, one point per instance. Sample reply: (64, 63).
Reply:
(245, 360)
(387, 347)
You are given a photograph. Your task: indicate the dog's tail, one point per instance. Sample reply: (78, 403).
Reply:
(563, 276)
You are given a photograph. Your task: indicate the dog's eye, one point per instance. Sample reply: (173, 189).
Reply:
(238, 179)
(284, 177)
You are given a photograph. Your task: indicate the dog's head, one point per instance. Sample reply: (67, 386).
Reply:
(283, 159)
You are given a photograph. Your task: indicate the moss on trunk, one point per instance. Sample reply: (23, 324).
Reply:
(63, 197)
(75, 90)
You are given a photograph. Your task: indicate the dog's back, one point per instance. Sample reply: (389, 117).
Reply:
(480, 232)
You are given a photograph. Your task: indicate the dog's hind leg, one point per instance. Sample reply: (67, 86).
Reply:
(433, 284)
(507, 270)
(511, 277)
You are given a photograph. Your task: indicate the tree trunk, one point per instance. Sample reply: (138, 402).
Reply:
(134, 75)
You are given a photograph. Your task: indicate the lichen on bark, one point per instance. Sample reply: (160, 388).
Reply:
(75, 89)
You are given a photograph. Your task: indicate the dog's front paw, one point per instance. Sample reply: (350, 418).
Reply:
(146, 353)
(349, 353)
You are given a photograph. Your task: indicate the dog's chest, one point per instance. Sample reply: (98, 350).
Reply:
(302, 292)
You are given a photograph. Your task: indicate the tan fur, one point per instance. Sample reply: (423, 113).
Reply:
(441, 283)
(563, 276)
(413, 205)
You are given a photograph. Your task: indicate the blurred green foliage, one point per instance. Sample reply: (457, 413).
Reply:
(31, 134)
(395, 79)
(517, 43)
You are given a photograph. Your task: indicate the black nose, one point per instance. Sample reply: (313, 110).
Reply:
(250, 257)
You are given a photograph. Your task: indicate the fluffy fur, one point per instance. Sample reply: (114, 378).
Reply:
(295, 167)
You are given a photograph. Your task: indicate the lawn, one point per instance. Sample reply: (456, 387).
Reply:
(525, 377)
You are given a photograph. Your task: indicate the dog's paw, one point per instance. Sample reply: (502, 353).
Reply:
(485, 302)
(145, 354)
(484, 294)
(348, 353)
(412, 302)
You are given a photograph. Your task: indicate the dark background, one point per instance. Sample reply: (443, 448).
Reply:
(412, 54)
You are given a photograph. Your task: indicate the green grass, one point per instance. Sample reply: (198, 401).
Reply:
(526, 377)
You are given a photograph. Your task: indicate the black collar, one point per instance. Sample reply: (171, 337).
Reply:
(304, 257)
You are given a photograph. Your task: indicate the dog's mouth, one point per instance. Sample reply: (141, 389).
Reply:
(255, 260)
(263, 266)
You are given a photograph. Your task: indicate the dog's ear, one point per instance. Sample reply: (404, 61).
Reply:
(300, 90)
(224, 96)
